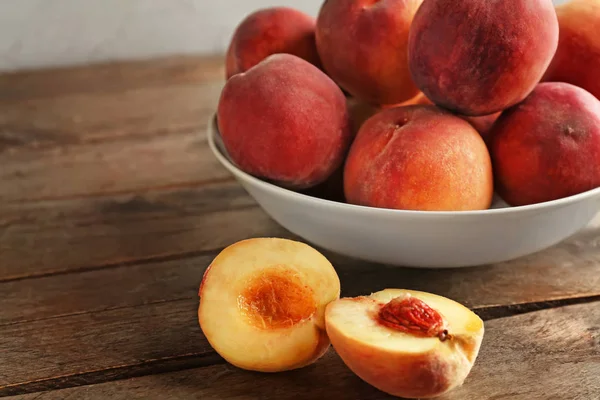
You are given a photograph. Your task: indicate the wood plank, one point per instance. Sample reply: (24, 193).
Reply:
(93, 341)
(104, 289)
(153, 138)
(43, 312)
(110, 76)
(56, 237)
(92, 118)
(130, 236)
(53, 237)
(166, 161)
(551, 354)
(546, 355)
(115, 182)
(107, 129)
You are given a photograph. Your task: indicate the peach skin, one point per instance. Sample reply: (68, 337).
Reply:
(363, 47)
(479, 57)
(577, 60)
(285, 121)
(418, 158)
(548, 146)
(270, 31)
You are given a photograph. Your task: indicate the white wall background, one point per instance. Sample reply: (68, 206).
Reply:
(36, 33)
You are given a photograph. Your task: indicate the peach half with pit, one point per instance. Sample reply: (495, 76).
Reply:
(262, 304)
(406, 343)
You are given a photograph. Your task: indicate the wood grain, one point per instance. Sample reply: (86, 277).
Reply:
(54, 297)
(49, 310)
(107, 129)
(547, 355)
(51, 237)
(110, 77)
(102, 340)
(568, 270)
(142, 149)
(123, 244)
(57, 237)
(91, 118)
(112, 206)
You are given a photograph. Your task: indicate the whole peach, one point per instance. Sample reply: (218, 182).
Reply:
(577, 60)
(418, 158)
(284, 120)
(271, 31)
(548, 147)
(363, 47)
(478, 57)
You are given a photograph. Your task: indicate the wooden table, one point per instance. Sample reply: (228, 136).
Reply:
(112, 206)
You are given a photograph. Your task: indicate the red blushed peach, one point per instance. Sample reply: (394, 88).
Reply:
(285, 121)
(478, 57)
(418, 158)
(363, 47)
(548, 146)
(577, 60)
(271, 31)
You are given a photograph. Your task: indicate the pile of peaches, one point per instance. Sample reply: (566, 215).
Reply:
(430, 105)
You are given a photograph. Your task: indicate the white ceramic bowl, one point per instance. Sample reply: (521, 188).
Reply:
(417, 238)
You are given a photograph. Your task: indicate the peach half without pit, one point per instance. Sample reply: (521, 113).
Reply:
(262, 304)
(405, 343)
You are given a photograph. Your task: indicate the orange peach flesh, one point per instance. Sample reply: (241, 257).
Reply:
(399, 363)
(276, 298)
(262, 304)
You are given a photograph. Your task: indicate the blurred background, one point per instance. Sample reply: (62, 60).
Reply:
(40, 33)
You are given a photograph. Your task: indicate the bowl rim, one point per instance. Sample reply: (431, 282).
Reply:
(213, 129)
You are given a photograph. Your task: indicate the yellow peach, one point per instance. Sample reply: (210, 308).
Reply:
(262, 304)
